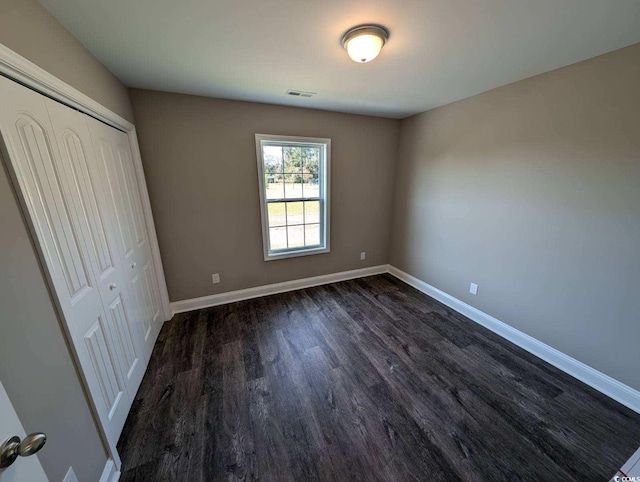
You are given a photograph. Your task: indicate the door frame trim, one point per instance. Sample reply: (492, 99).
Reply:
(25, 72)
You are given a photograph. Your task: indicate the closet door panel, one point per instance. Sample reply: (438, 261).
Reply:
(63, 236)
(154, 297)
(37, 173)
(138, 289)
(107, 163)
(74, 152)
(127, 340)
(86, 186)
(129, 178)
(113, 160)
(144, 263)
(114, 395)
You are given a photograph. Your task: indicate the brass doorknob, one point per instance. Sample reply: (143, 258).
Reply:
(12, 447)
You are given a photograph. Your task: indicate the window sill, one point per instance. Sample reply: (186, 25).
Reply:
(296, 254)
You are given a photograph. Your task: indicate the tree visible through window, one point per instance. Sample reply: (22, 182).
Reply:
(294, 187)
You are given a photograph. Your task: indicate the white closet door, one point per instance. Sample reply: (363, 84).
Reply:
(56, 212)
(143, 268)
(78, 161)
(114, 157)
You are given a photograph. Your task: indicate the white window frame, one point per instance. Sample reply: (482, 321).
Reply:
(324, 170)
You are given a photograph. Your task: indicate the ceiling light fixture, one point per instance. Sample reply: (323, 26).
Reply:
(363, 43)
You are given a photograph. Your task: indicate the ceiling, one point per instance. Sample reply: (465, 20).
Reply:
(439, 51)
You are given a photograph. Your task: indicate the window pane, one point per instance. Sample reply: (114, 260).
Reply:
(277, 216)
(278, 238)
(311, 212)
(293, 177)
(292, 159)
(293, 190)
(296, 236)
(274, 187)
(294, 213)
(312, 234)
(311, 188)
(272, 158)
(311, 160)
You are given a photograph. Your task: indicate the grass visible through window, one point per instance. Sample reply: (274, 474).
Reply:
(294, 224)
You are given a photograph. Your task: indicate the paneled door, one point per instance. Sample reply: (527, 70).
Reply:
(95, 209)
(113, 154)
(76, 253)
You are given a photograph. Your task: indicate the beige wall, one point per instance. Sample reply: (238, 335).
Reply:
(36, 366)
(27, 28)
(532, 191)
(200, 163)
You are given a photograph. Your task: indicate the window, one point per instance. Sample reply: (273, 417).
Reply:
(294, 195)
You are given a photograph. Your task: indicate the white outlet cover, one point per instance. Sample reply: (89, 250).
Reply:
(473, 289)
(70, 476)
(363, 255)
(215, 278)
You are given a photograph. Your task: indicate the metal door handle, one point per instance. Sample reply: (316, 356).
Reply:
(133, 265)
(12, 447)
(113, 286)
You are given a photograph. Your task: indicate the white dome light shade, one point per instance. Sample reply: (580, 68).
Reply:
(364, 48)
(364, 43)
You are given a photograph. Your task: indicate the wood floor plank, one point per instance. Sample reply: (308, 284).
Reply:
(238, 449)
(367, 379)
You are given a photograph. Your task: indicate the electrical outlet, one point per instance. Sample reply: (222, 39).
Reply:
(363, 255)
(71, 476)
(215, 278)
(473, 289)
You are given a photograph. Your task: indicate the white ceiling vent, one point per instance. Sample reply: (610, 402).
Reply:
(299, 93)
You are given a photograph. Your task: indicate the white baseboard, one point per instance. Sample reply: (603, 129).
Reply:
(592, 377)
(110, 472)
(631, 468)
(239, 295)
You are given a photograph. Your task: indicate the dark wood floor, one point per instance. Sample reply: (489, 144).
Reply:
(361, 380)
